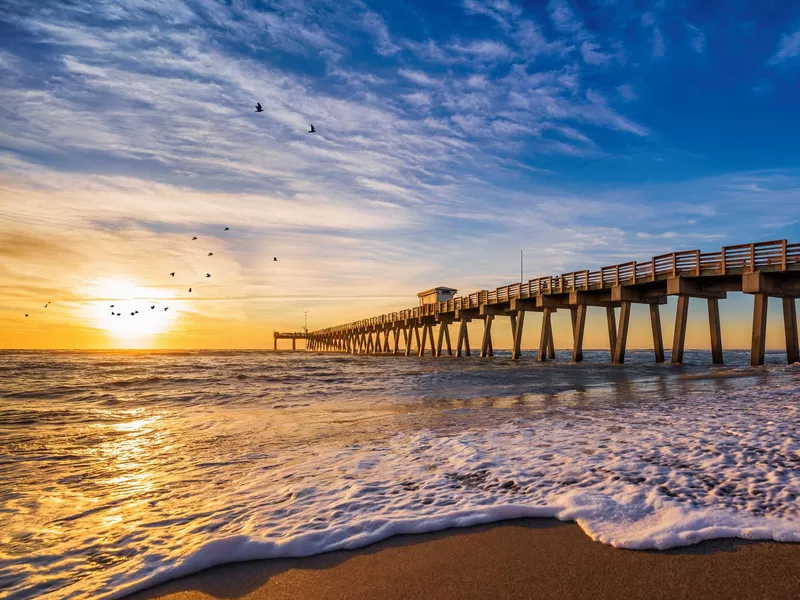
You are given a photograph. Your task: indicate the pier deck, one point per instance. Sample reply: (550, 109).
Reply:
(762, 269)
(291, 335)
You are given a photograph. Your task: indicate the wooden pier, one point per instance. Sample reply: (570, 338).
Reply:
(763, 269)
(292, 335)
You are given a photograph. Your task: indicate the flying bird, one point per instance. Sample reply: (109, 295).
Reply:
(112, 306)
(194, 238)
(227, 229)
(136, 311)
(211, 254)
(208, 274)
(133, 314)
(173, 274)
(190, 290)
(274, 259)
(153, 306)
(166, 308)
(312, 129)
(26, 314)
(258, 107)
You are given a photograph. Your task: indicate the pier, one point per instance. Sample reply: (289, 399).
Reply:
(292, 335)
(763, 269)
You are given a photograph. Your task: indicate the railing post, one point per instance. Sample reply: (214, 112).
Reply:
(653, 269)
(697, 259)
(752, 258)
(723, 259)
(674, 264)
(616, 275)
(783, 254)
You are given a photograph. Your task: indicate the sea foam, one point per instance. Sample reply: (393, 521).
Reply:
(656, 477)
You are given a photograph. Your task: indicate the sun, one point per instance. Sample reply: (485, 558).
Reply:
(138, 312)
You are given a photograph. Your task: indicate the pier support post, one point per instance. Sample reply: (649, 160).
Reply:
(409, 339)
(386, 347)
(544, 338)
(759, 341)
(294, 345)
(551, 346)
(679, 336)
(447, 339)
(611, 320)
(274, 344)
(578, 326)
(516, 352)
(790, 328)
(432, 341)
(714, 328)
(421, 347)
(396, 346)
(658, 340)
(622, 335)
(486, 344)
(440, 340)
(463, 339)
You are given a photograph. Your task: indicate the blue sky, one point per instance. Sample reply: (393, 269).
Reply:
(450, 135)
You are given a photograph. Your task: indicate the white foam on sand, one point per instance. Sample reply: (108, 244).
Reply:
(653, 476)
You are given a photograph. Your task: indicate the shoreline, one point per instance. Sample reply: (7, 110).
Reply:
(521, 558)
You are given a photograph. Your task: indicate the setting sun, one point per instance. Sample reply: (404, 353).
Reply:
(131, 312)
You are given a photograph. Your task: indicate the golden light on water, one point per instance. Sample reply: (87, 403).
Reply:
(148, 306)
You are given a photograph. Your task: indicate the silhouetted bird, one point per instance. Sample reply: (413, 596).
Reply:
(258, 107)
(274, 259)
(166, 307)
(194, 238)
(227, 229)
(312, 129)
(133, 314)
(211, 254)
(153, 306)
(190, 290)
(173, 274)
(112, 306)
(26, 314)
(136, 311)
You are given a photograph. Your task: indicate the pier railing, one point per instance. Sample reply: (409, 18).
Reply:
(774, 255)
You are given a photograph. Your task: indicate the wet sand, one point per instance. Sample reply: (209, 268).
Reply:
(526, 558)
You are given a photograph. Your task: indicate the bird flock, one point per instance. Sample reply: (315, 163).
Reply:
(133, 313)
(194, 238)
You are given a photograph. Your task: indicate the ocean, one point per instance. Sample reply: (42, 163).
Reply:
(120, 470)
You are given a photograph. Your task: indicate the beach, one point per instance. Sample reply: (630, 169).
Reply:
(526, 558)
(122, 471)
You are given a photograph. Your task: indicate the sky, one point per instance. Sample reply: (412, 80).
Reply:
(450, 136)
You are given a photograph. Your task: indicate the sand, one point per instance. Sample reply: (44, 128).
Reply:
(527, 558)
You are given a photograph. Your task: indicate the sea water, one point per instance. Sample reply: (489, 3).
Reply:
(119, 470)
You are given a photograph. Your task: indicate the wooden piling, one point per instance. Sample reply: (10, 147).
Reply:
(790, 330)
(714, 328)
(578, 326)
(611, 320)
(519, 322)
(421, 348)
(655, 325)
(622, 335)
(679, 335)
(544, 337)
(759, 339)
(487, 336)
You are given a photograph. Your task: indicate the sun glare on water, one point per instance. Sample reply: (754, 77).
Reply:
(147, 305)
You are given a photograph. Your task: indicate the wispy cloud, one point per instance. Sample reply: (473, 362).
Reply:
(788, 48)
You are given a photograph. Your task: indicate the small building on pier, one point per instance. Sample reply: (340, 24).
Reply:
(437, 294)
